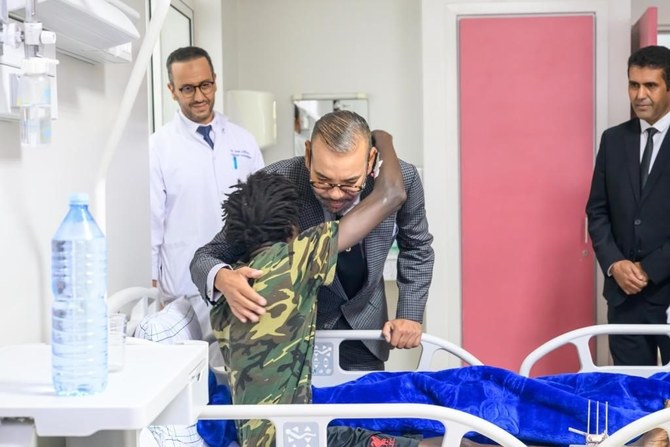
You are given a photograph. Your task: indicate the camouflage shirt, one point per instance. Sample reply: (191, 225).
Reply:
(270, 362)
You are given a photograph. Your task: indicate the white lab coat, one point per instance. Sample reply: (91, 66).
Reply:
(189, 181)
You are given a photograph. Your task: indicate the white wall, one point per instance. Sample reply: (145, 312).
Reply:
(330, 46)
(210, 35)
(34, 185)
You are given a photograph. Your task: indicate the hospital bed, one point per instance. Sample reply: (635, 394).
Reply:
(284, 416)
(306, 424)
(298, 423)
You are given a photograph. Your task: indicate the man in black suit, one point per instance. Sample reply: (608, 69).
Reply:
(629, 211)
(332, 178)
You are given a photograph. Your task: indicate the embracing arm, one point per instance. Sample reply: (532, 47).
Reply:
(213, 276)
(386, 197)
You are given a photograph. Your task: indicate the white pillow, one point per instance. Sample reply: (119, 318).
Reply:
(176, 322)
(177, 436)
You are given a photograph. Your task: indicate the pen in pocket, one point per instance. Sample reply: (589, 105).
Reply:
(234, 162)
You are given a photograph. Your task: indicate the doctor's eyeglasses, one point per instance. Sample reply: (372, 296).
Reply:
(205, 88)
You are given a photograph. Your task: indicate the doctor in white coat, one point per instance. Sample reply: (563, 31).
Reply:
(194, 160)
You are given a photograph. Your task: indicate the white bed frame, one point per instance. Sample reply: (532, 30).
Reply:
(326, 363)
(580, 339)
(135, 302)
(296, 423)
(306, 425)
(658, 419)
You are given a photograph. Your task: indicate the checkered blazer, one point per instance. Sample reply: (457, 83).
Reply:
(368, 308)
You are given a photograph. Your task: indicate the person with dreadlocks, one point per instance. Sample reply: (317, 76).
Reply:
(270, 361)
(336, 174)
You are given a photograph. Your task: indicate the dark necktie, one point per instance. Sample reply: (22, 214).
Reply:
(351, 269)
(645, 164)
(204, 131)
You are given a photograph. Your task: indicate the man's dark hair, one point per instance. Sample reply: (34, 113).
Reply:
(340, 129)
(186, 54)
(653, 56)
(261, 211)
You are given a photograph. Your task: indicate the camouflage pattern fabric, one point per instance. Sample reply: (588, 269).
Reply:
(270, 362)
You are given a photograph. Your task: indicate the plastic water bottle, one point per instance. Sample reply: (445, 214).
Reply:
(79, 313)
(35, 102)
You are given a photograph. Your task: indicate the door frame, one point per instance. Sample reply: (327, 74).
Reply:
(441, 126)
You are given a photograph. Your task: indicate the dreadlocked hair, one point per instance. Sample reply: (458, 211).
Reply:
(263, 210)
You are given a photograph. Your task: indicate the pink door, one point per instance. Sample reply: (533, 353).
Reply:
(527, 149)
(645, 30)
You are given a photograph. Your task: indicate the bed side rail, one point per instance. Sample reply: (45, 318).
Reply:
(326, 369)
(131, 295)
(135, 302)
(306, 425)
(580, 339)
(658, 419)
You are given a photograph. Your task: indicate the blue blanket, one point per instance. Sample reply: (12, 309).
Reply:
(535, 410)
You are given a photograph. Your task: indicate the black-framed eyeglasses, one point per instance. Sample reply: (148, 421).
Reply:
(189, 90)
(325, 186)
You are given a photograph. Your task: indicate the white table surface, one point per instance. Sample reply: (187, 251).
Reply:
(163, 384)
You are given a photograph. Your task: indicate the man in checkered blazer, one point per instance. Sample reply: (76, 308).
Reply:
(331, 178)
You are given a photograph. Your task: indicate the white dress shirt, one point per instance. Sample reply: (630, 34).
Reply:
(188, 182)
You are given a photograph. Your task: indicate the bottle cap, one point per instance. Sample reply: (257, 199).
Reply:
(78, 198)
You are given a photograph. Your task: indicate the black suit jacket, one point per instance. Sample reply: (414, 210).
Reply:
(368, 308)
(626, 223)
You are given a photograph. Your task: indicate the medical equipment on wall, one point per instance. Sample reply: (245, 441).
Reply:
(24, 57)
(34, 101)
(90, 30)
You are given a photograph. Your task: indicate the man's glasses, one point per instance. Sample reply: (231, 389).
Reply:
(325, 186)
(189, 90)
